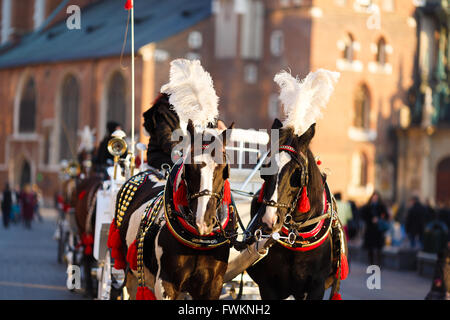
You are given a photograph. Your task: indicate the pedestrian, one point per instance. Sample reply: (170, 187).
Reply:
(27, 203)
(415, 222)
(103, 157)
(38, 200)
(376, 217)
(344, 211)
(6, 205)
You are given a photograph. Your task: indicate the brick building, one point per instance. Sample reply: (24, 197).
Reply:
(243, 44)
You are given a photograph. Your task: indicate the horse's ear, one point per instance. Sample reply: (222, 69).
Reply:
(226, 172)
(190, 128)
(305, 139)
(224, 134)
(277, 124)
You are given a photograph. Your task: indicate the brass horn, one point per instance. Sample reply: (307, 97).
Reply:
(73, 169)
(117, 147)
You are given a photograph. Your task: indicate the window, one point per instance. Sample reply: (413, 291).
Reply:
(381, 52)
(226, 28)
(6, 16)
(252, 30)
(116, 101)
(27, 108)
(277, 43)
(362, 108)
(39, 13)
(70, 97)
(348, 48)
(251, 73)
(273, 107)
(359, 170)
(195, 40)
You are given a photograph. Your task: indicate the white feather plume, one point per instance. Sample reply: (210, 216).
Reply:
(192, 92)
(304, 100)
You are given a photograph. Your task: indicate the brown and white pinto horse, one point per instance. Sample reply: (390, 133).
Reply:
(186, 248)
(296, 202)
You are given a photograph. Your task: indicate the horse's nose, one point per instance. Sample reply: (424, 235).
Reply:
(204, 228)
(270, 219)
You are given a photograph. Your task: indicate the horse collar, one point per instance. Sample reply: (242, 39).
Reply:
(178, 224)
(316, 237)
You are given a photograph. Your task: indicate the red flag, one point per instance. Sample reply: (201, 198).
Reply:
(128, 5)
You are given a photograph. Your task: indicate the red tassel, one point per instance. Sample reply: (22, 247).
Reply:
(180, 196)
(226, 193)
(81, 195)
(261, 193)
(119, 264)
(132, 255)
(112, 229)
(144, 293)
(87, 240)
(336, 296)
(128, 5)
(148, 294)
(319, 162)
(303, 203)
(114, 240)
(344, 267)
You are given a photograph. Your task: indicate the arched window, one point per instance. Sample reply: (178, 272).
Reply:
(362, 108)
(116, 101)
(381, 51)
(359, 170)
(70, 97)
(348, 47)
(27, 108)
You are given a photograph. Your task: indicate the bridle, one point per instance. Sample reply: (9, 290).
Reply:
(302, 160)
(203, 193)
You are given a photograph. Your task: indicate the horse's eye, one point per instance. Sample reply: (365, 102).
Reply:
(295, 178)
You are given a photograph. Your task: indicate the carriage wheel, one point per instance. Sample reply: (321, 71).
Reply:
(110, 282)
(61, 244)
(105, 279)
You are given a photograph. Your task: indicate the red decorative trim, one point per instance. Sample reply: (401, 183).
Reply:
(305, 248)
(288, 148)
(261, 193)
(132, 255)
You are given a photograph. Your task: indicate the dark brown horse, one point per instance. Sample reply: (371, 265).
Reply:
(295, 202)
(186, 247)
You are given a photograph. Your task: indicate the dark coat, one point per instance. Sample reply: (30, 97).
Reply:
(7, 201)
(373, 236)
(28, 203)
(415, 219)
(102, 153)
(160, 121)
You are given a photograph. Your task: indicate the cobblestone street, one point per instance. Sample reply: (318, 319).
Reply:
(29, 270)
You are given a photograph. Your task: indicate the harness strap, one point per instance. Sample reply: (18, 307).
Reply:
(311, 221)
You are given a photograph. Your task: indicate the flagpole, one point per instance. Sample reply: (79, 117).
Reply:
(132, 89)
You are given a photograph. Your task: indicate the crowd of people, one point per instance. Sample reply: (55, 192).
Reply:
(21, 205)
(414, 225)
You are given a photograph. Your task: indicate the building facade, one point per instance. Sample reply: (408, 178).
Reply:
(243, 44)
